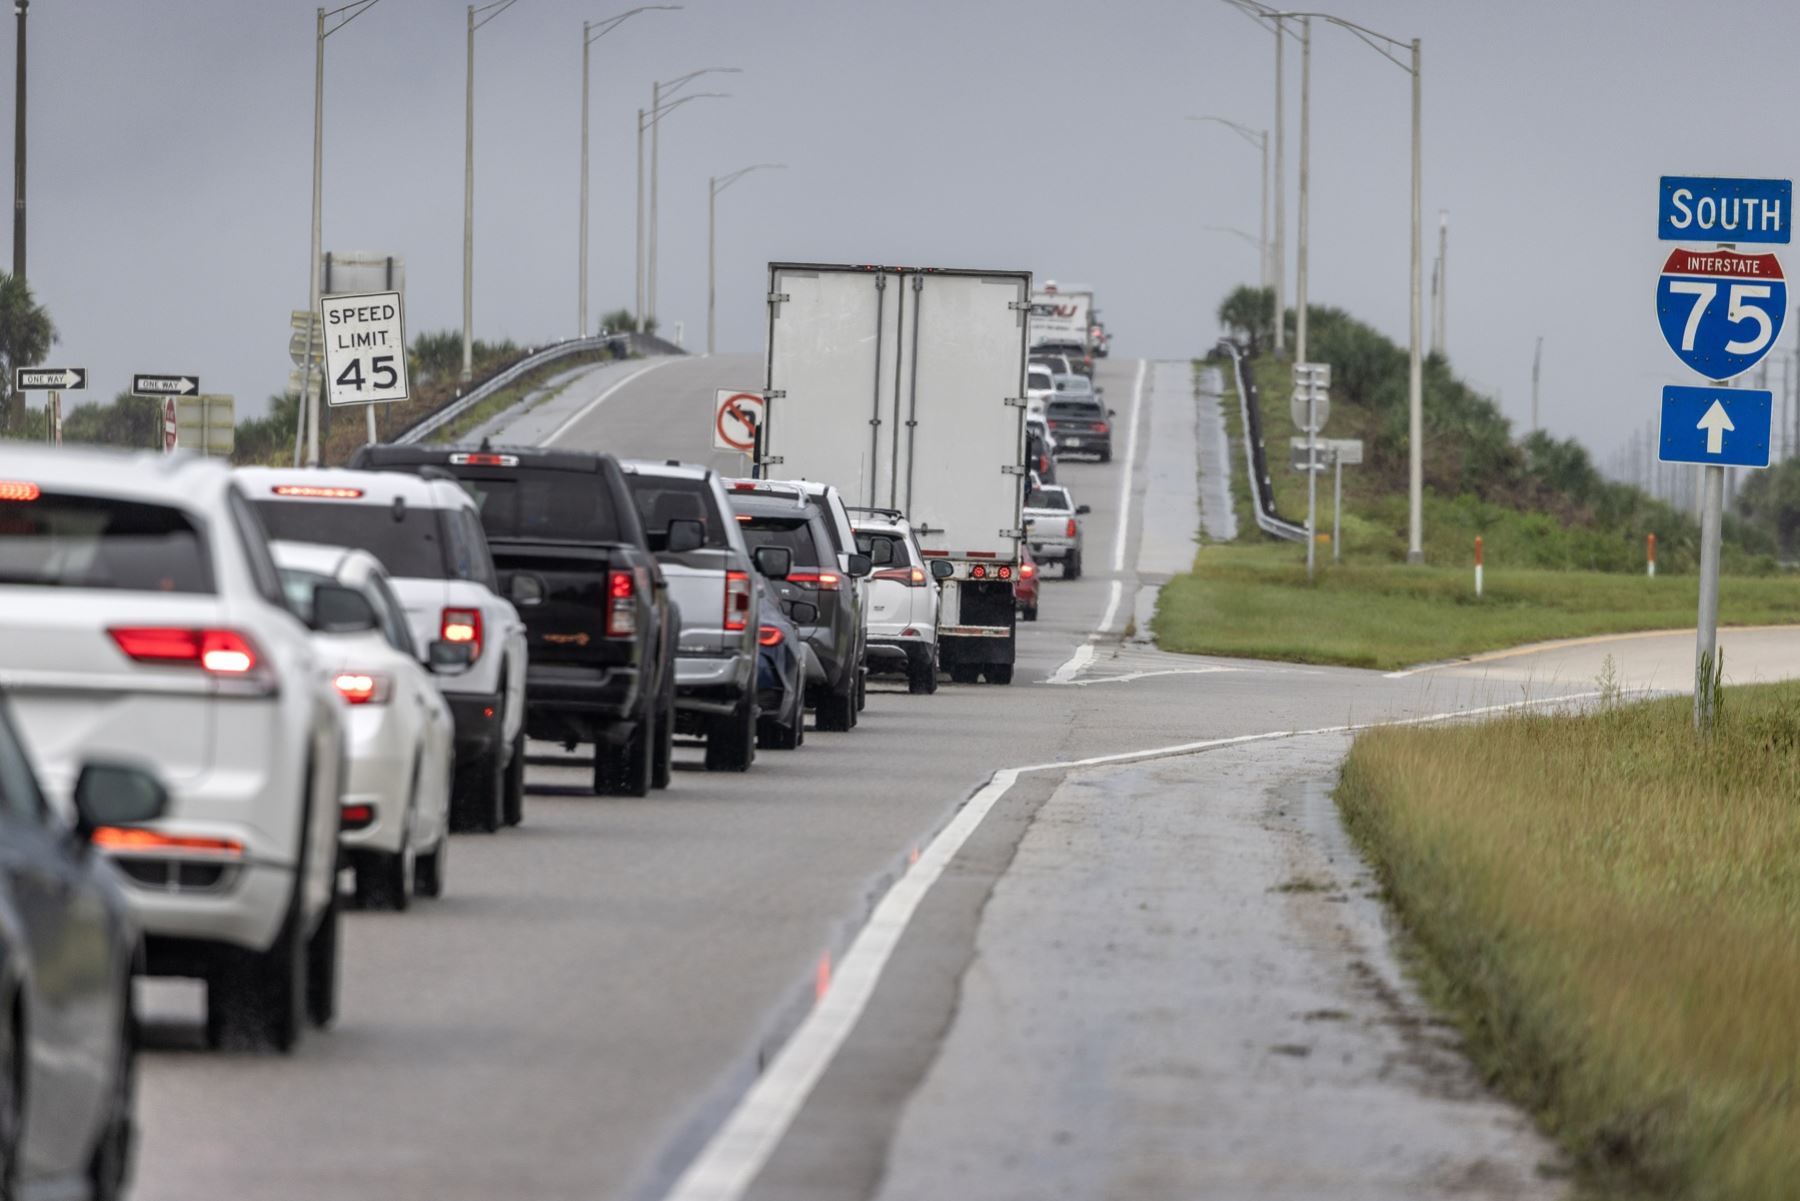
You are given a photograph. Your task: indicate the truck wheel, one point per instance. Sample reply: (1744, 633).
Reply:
(110, 1165)
(772, 734)
(257, 1001)
(921, 674)
(512, 810)
(322, 969)
(1028, 613)
(429, 870)
(837, 708)
(624, 770)
(862, 689)
(1106, 455)
(662, 767)
(731, 739)
(1072, 566)
(478, 802)
(965, 673)
(999, 673)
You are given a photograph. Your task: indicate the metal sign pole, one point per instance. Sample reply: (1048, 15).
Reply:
(1337, 509)
(1312, 473)
(1706, 651)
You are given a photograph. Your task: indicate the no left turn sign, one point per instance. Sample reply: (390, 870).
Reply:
(736, 417)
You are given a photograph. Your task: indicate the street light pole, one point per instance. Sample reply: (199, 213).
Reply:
(591, 32)
(1258, 138)
(492, 9)
(658, 92)
(1415, 387)
(1305, 161)
(1280, 202)
(18, 269)
(714, 186)
(647, 122)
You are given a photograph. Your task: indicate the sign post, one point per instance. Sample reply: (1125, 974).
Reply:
(1310, 408)
(365, 350)
(1719, 425)
(171, 428)
(737, 422)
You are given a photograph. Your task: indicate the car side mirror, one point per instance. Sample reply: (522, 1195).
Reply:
(449, 658)
(881, 553)
(340, 610)
(803, 613)
(774, 562)
(116, 794)
(858, 565)
(1112, 412)
(685, 534)
(1083, 510)
(942, 569)
(525, 589)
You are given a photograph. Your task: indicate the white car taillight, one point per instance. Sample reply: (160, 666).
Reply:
(737, 600)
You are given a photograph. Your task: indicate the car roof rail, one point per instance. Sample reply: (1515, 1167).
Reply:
(891, 514)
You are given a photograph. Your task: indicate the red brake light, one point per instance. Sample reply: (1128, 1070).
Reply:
(621, 605)
(769, 636)
(825, 581)
(737, 600)
(222, 652)
(1099, 427)
(1006, 573)
(18, 490)
(483, 459)
(131, 838)
(316, 492)
(912, 577)
(356, 817)
(362, 688)
(978, 572)
(462, 625)
(1027, 570)
(1071, 531)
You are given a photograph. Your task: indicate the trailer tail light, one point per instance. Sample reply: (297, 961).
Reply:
(768, 636)
(1071, 531)
(462, 625)
(220, 652)
(824, 581)
(1006, 573)
(363, 688)
(912, 577)
(483, 459)
(737, 600)
(356, 817)
(621, 605)
(18, 490)
(978, 572)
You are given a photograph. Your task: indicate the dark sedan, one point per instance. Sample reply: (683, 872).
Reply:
(67, 950)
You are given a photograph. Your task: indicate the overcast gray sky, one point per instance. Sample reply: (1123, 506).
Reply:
(171, 150)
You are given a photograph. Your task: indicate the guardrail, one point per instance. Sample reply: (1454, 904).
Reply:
(1256, 454)
(427, 426)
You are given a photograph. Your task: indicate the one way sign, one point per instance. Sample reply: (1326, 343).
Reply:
(164, 385)
(40, 379)
(1729, 426)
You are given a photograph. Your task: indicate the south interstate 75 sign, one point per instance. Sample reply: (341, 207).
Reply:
(1720, 311)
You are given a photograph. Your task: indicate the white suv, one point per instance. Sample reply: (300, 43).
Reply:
(427, 533)
(145, 621)
(903, 599)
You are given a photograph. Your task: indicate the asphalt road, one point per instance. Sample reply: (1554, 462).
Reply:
(600, 986)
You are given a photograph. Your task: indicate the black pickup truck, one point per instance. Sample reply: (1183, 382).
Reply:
(574, 559)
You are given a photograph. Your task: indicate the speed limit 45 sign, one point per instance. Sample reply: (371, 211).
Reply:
(365, 348)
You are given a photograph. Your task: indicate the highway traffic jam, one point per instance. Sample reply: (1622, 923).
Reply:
(238, 704)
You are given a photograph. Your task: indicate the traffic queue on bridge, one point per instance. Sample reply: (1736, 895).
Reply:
(236, 702)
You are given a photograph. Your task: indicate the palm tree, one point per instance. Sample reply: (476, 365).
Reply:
(26, 336)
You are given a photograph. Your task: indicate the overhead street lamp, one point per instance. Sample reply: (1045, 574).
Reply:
(714, 186)
(309, 401)
(647, 121)
(1259, 12)
(492, 9)
(659, 93)
(1388, 48)
(1258, 138)
(591, 32)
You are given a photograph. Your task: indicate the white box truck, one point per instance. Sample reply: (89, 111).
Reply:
(1063, 318)
(905, 387)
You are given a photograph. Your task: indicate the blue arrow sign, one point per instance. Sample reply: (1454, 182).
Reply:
(1729, 426)
(1692, 208)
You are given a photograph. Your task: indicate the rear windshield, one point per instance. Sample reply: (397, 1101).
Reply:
(1046, 498)
(66, 541)
(1039, 380)
(795, 533)
(1073, 410)
(660, 500)
(899, 555)
(409, 541)
(555, 506)
(1073, 383)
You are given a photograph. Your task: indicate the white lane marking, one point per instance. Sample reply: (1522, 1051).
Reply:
(601, 399)
(737, 1152)
(1115, 593)
(1145, 675)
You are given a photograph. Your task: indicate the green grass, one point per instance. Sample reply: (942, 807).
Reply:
(1609, 905)
(509, 396)
(1243, 504)
(1254, 602)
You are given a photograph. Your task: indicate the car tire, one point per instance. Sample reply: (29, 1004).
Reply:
(1106, 455)
(322, 969)
(512, 801)
(109, 1168)
(731, 738)
(1072, 565)
(478, 803)
(999, 673)
(1028, 613)
(623, 769)
(13, 1056)
(837, 707)
(385, 881)
(921, 674)
(430, 868)
(662, 767)
(965, 673)
(257, 1000)
(862, 689)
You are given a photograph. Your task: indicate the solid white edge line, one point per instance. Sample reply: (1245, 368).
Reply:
(738, 1151)
(601, 399)
(1084, 654)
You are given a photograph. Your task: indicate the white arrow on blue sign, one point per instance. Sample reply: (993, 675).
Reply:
(1693, 208)
(1721, 311)
(1728, 426)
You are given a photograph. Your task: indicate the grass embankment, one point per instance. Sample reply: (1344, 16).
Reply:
(1622, 950)
(1243, 504)
(1253, 601)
